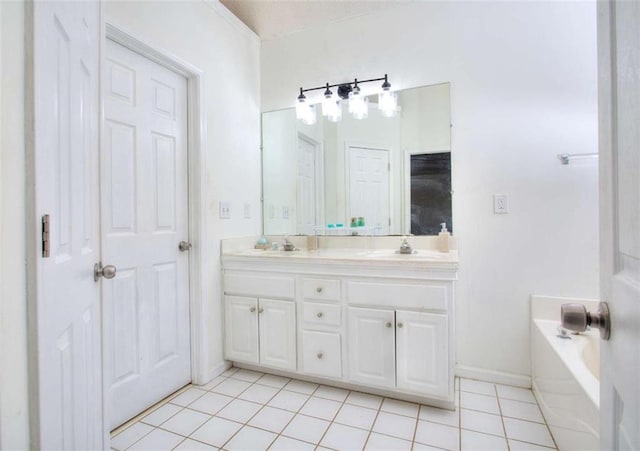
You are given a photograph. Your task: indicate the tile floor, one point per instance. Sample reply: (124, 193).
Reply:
(246, 410)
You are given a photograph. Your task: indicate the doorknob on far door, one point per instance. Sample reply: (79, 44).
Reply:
(108, 272)
(184, 246)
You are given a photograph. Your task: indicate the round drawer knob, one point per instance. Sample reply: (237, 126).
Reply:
(400, 325)
(320, 355)
(389, 325)
(260, 310)
(319, 314)
(252, 309)
(319, 289)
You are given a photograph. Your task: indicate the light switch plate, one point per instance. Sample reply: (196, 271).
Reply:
(500, 204)
(225, 210)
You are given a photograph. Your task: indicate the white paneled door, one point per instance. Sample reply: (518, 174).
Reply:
(307, 193)
(144, 168)
(369, 187)
(619, 105)
(65, 317)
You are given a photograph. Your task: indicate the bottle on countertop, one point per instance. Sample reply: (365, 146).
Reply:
(443, 238)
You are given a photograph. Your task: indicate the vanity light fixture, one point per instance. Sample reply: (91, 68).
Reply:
(358, 103)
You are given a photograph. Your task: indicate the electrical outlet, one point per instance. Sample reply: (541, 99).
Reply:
(500, 204)
(285, 212)
(247, 210)
(225, 210)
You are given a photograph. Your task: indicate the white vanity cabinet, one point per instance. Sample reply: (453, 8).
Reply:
(378, 326)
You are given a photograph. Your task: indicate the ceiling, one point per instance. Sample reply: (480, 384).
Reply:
(272, 18)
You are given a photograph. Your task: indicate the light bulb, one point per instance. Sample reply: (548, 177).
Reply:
(301, 106)
(309, 115)
(335, 114)
(388, 102)
(358, 104)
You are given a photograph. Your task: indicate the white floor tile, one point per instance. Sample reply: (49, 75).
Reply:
(475, 441)
(481, 388)
(521, 410)
(212, 383)
(301, 387)
(442, 416)
(161, 414)
(271, 419)
(187, 397)
(247, 375)
(192, 445)
(185, 422)
(422, 447)
(333, 393)
(231, 387)
(527, 431)
(356, 416)
(305, 428)
(438, 435)
(481, 422)
(379, 442)
(249, 438)
(364, 400)
(482, 403)
(216, 431)
(157, 440)
(211, 403)
(325, 409)
(288, 400)
(343, 437)
(229, 372)
(515, 393)
(273, 381)
(239, 410)
(130, 435)
(283, 443)
(408, 409)
(395, 425)
(515, 445)
(259, 393)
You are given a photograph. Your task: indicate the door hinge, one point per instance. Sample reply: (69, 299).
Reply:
(45, 236)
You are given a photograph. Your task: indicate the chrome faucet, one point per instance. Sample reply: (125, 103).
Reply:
(405, 247)
(287, 245)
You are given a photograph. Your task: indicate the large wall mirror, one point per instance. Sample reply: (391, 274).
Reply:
(391, 174)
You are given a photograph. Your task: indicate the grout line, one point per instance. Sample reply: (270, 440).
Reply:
(366, 442)
(504, 428)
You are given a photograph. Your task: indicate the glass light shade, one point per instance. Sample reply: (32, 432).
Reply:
(335, 113)
(301, 108)
(309, 115)
(329, 104)
(388, 102)
(358, 104)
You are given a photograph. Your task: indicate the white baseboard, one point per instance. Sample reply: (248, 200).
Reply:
(217, 370)
(497, 377)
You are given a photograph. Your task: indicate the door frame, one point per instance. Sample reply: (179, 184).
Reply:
(196, 155)
(347, 181)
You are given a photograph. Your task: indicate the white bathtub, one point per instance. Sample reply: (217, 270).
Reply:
(565, 378)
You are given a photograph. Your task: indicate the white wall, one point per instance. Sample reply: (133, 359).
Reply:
(523, 89)
(207, 36)
(14, 415)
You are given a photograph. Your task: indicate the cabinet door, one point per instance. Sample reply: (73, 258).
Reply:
(422, 352)
(277, 333)
(241, 328)
(372, 346)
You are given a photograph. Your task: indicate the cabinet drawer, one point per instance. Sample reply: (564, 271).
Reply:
(267, 286)
(320, 313)
(321, 353)
(432, 296)
(321, 289)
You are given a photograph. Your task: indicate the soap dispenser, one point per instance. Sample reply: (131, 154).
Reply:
(443, 238)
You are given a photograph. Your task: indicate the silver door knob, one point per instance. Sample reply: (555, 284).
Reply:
(576, 318)
(184, 246)
(108, 272)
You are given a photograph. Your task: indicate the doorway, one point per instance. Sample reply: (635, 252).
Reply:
(368, 185)
(310, 186)
(144, 218)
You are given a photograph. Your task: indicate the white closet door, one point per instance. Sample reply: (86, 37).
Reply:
(369, 187)
(66, 314)
(144, 217)
(372, 359)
